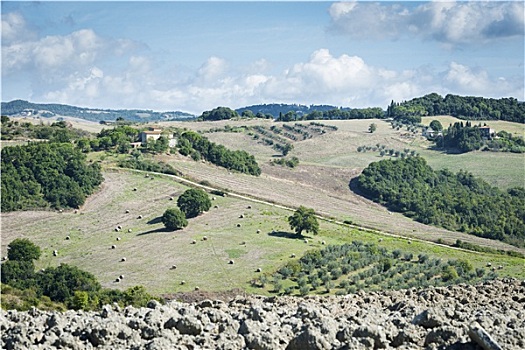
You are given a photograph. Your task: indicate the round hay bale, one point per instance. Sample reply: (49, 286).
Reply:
(68, 238)
(193, 242)
(258, 231)
(258, 270)
(121, 277)
(204, 238)
(409, 242)
(213, 198)
(129, 230)
(182, 282)
(123, 259)
(323, 242)
(139, 217)
(135, 189)
(489, 264)
(231, 262)
(249, 207)
(171, 198)
(113, 247)
(292, 256)
(4, 258)
(197, 288)
(117, 229)
(238, 225)
(173, 267)
(117, 280)
(241, 216)
(147, 175)
(55, 253)
(76, 211)
(306, 241)
(243, 243)
(500, 267)
(127, 211)
(118, 238)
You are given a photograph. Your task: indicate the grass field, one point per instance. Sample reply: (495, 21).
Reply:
(151, 251)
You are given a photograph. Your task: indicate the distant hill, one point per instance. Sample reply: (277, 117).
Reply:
(276, 108)
(25, 108)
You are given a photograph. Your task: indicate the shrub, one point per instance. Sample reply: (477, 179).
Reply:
(174, 219)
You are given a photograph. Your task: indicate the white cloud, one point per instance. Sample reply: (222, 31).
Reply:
(14, 28)
(451, 23)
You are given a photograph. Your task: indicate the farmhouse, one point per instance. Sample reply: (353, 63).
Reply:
(152, 134)
(487, 132)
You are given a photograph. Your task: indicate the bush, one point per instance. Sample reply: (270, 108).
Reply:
(193, 202)
(174, 219)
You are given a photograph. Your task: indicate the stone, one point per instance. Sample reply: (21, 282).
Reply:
(189, 325)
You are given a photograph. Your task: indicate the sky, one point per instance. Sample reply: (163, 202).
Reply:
(195, 56)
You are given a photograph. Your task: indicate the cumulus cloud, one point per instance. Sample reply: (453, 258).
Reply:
(321, 79)
(14, 28)
(451, 23)
(59, 52)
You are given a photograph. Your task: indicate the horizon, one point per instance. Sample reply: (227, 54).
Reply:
(192, 57)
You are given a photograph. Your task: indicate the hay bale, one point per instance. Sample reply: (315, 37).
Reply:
(123, 259)
(129, 230)
(241, 216)
(380, 240)
(204, 238)
(55, 253)
(117, 229)
(4, 258)
(117, 280)
(306, 241)
(500, 267)
(489, 264)
(243, 243)
(258, 270)
(323, 242)
(213, 198)
(139, 217)
(231, 262)
(249, 207)
(147, 175)
(182, 282)
(134, 189)
(118, 238)
(197, 288)
(171, 198)
(121, 277)
(194, 242)
(127, 211)
(173, 267)
(76, 211)
(113, 247)
(68, 238)
(238, 225)
(216, 206)
(258, 231)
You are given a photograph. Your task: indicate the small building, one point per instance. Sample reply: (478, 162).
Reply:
(486, 132)
(151, 134)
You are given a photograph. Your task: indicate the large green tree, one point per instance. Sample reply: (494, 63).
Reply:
(193, 202)
(22, 249)
(174, 219)
(304, 220)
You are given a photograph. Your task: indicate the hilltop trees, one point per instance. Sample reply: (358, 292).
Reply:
(219, 113)
(193, 202)
(304, 220)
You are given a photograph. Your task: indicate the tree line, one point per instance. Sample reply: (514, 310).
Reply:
(462, 107)
(45, 174)
(198, 146)
(455, 201)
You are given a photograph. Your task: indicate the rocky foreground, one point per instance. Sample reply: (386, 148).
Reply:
(490, 315)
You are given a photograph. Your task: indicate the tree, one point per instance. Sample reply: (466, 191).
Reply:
(174, 219)
(436, 125)
(372, 128)
(193, 202)
(22, 249)
(304, 220)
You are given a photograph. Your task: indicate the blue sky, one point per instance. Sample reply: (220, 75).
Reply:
(194, 56)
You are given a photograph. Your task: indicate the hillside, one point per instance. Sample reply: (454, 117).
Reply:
(25, 108)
